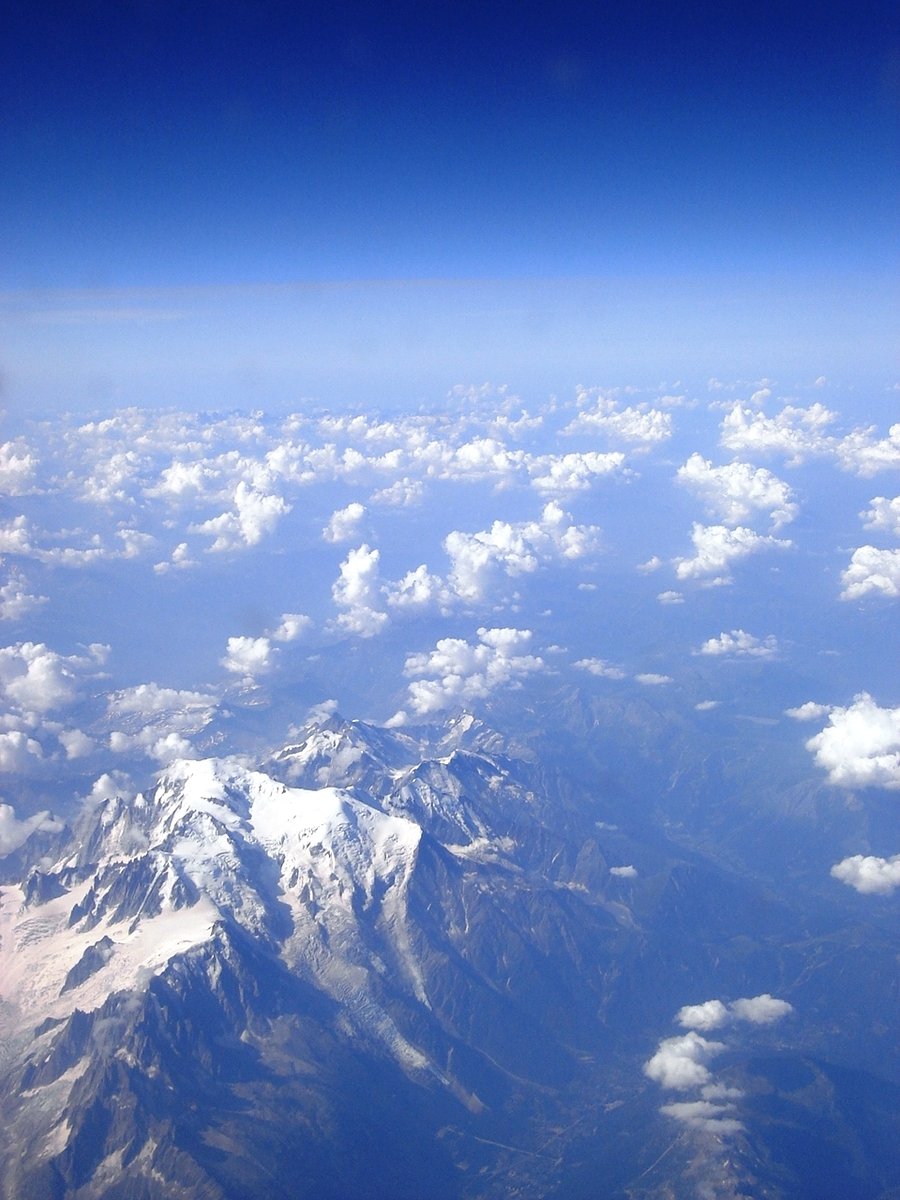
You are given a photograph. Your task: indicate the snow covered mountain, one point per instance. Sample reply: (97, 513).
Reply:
(383, 965)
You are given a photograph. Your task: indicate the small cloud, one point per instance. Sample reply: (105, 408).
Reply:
(680, 1062)
(670, 598)
(343, 523)
(860, 745)
(626, 872)
(868, 874)
(248, 656)
(710, 1015)
(707, 705)
(292, 626)
(652, 564)
(810, 711)
(601, 668)
(760, 1010)
(872, 570)
(739, 644)
(650, 679)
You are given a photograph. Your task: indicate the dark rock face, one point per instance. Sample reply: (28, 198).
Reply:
(396, 967)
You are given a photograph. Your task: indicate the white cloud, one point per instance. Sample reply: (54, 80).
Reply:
(884, 514)
(670, 598)
(864, 453)
(704, 1114)
(797, 433)
(457, 672)
(34, 678)
(760, 1010)
(872, 570)
(343, 523)
(14, 832)
(76, 743)
(563, 474)
(17, 468)
(255, 515)
(291, 627)
(716, 547)
(652, 564)
(624, 872)
(18, 751)
(680, 1062)
(358, 592)
(248, 656)
(402, 493)
(149, 698)
(860, 746)
(737, 491)
(738, 644)
(710, 1015)
(514, 549)
(652, 679)
(15, 600)
(869, 874)
(637, 423)
(707, 705)
(421, 589)
(810, 711)
(601, 668)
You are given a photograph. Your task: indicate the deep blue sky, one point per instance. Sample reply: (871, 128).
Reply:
(160, 144)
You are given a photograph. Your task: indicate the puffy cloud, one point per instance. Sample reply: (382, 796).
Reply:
(421, 589)
(810, 711)
(343, 523)
(738, 490)
(291, 627)
(14, 832)
(157, 720)
(670, 597)
(402, 493)
(625, 872)
(739, 644)
(248, 656)
(34, 678)
(637, 423)
(652, 679)
(357, 591)
(716, 547)
(457, 672)
(17, 468)
(866, 454)
(707, 705)
(15, 600)
(872, 570)
(652, 564)
(18, 751)
(255, 514)
(760, 1010)
(869, 874)
(180, 560)
(707, 1115)
(76, 743)
(860, 745)
(797, 433)
(680, 1062)
(883, 514)
(149, 698)
(515, 549)
(601, 668)
(561, 475)
(710, 1015)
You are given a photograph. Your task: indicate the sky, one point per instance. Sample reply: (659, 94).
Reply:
(207, 203)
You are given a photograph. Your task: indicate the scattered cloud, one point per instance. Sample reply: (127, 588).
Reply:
(343, 524)
(716, 547)
(738, 491)
(680, 1062)
(36, 679)
(860, 745)
(357, 592)
(635, 423)
(14, 832)
(884, 514)
(651, 679)
(739, 644)
(670, 598)
(868, 874)
(600, 668)
(872, 570)
(248, 656)
(458, 672)
(625, 872)
(810, 711)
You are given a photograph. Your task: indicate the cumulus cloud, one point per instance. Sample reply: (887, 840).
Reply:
(357, 591)
(739, 644)
(872, 570)
(255, 514)
(514, 549)
(737, 491)
(291, 627)
(869, 874)
(402, 493)
(149, 699)
(248, 656)
(860, 745)
(635, 423)
(707, 1115)
(158, 721)
(670, 597)
(625, 872)
(457, 672)
(680, 1062)
(34, 678)
(15, 600)
(864, 453)
(76, 743)
(716, 547)
(797, 433)
(884, 514)
(652, 679)
(421, 589)
(14, 832)
(711, 1014)
(764, 1009)
(707, 705)
(17, 468)
(343, 523)
(18, 751)
(601, 668)
(810, 711)
(560, 475)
